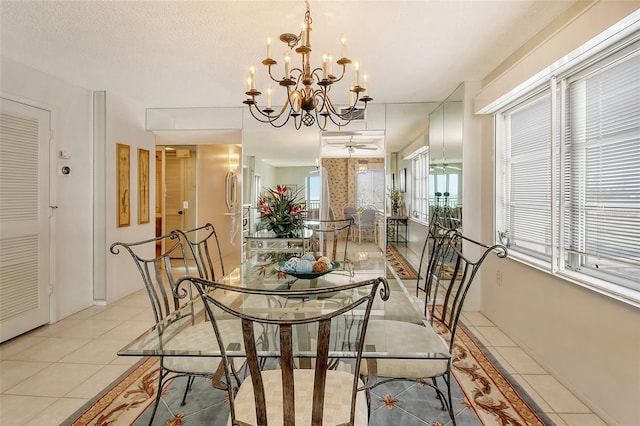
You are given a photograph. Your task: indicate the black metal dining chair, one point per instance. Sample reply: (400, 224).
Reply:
(287, 395)
(205, 250)
(159, 274)
(331, 239)
(446, 299)
(433, 264)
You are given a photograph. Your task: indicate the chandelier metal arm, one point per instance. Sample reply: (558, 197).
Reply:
(345, 118)
(335, 79)
(266, 112)
(272, 119)
(270, 74)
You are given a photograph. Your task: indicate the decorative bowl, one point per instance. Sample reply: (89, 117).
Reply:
(306, 275)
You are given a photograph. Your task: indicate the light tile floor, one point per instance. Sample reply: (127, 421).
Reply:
(49, 373)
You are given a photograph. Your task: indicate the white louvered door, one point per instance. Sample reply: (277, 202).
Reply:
(24, 218)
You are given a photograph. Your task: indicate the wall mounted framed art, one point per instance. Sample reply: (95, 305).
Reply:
(123, 155)
(143, 186)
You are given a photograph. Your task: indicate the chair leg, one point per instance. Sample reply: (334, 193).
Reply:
(447, 380)
(187, 388)
(161, 375)
(440, 396)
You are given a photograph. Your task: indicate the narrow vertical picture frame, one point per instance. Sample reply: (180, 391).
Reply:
(143, 186)
(402, 177)
(123, 191)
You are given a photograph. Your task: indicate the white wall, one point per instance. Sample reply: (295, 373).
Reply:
(72, 224)
(293, 176)
(588, 341)
(125, 125)
(267, 174)
(472, 187)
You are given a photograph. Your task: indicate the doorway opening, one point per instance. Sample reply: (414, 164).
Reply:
(176, 201)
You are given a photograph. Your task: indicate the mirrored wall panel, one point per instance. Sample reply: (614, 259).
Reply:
(445, 165)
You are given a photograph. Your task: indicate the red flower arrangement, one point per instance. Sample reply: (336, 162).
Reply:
(280, 210)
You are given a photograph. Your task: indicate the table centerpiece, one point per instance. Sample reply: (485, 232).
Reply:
(281, 211)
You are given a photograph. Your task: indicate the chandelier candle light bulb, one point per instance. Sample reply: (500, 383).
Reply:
(357, 75)
(324, 66)
(268, 47)
(305, 35)
(287, 64)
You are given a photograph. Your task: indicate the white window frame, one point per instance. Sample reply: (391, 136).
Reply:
(420, 187)
(558, 259)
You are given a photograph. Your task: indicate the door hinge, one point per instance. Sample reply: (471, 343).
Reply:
(50, 289)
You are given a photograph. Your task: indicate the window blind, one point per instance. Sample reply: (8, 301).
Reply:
(527, 181)
(602, 171)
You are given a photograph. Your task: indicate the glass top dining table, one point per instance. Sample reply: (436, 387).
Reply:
(188, 332)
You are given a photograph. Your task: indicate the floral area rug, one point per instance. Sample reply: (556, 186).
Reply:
(402, 267)
(482, 395)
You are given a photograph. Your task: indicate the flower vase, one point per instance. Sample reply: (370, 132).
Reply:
(394, 209)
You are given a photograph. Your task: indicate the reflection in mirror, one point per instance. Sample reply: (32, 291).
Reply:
(445, 165)
(354, 166)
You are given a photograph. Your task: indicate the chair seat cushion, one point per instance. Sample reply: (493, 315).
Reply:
(414, 338)
(337, 402)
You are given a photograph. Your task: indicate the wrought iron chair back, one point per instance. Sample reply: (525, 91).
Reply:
(449, 276)
(456, 272)
(157, 269)
(428, 261)
(205, 249)
(328, 236)
(160, 273)
(362, 295)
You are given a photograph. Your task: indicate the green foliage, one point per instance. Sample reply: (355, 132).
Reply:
(281, 210)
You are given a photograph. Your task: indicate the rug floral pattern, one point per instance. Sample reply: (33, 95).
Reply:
(403, 268)
(487, 392)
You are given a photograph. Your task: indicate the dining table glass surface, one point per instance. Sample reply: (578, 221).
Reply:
(188, 331)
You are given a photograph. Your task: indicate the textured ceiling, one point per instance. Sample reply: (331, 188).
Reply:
(197, 53)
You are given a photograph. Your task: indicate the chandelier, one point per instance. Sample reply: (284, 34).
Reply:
(307, 89)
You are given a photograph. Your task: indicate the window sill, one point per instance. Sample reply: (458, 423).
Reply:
(603, 287)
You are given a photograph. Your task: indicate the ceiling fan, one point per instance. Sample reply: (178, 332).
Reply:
(352, 145)
(444, 166)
